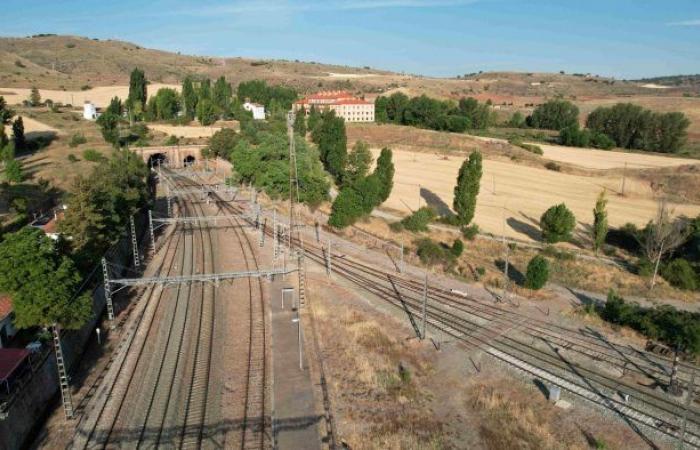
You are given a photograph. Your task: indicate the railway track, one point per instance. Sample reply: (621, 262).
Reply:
(470, 322)
(171, 366)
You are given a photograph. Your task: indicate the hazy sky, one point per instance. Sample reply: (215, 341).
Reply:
(621, 38)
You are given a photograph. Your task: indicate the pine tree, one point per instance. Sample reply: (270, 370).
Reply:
(189, 97)
(204, 92)
(385, 172)
(18, 134)
(467, 188)
(300, 122)
(138, 93)
(13, 171)
(600, 222)
(83, 221)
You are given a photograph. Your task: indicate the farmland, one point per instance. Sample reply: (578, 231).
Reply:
(524, 192)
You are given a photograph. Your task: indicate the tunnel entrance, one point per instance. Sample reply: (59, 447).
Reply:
(157, 159)
(189, 161)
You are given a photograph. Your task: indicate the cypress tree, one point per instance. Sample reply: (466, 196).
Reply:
(332, 145)
(600, 222)
(300, 122)
(221, 94)
(18, 134)
(385, 172)
(137, 89)
(467, 188)
(189, 98)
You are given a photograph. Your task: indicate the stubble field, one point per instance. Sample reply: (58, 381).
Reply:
(519, 194)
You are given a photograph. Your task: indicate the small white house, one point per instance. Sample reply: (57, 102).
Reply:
(90, 111)
(257, 110)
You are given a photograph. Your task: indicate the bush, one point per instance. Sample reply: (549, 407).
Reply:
(536, 149)
(93, 155)
(72, 158)
(172, 140)
(557, 223)
(431, 253)
(85, 87)
(553, 166)
(554, 115)
(554, 252)
(76, 140)
(457, 248)
(470, 232)
(680, 274)
(537, 273)
(419, 220)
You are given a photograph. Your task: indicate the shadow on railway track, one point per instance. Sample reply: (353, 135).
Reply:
(609, 404)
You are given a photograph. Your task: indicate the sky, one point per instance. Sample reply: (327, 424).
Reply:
(621, 38)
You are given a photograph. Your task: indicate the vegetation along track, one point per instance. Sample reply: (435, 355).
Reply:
(446, 312)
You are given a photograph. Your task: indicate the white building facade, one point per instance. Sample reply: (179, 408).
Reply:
(257, 110)
(350, 108)
(90, 111)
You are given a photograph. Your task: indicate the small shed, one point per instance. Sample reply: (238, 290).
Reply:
(14, 363)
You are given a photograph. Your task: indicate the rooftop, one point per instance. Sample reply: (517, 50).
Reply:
(333, 98)
(5, 306)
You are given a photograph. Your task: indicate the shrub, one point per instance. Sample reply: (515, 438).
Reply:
(92, 155)
(72, 158)
(419, 220)
(457, 248)
(536, 149)
(172, 140)
(431, 253)
(554, 252)
(551, 165)
(680, 274)
(85, 87)
(557, 223)
(76, 140)
(480, 272)
(537, 273)
(470, 232)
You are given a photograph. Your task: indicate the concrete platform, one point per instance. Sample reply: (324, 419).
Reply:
(295, 420)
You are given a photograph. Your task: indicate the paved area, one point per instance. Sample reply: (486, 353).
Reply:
(295, 420)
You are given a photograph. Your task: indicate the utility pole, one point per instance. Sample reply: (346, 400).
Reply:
(134, 243)
(506, 249)
(293, 177)
(624, 176)
(328, 258)
(108, 290)
(425, 304)
(688, 398)
(401, 261)
(66, 397)
(150, 228)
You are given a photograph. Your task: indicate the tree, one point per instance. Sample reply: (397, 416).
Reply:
(663, 236)
(681, 332)
(221, 95)
(380, 113)
(680, 274)
(517, 120)
(395, 105)
(115, 107)
(346, 208)
(385, 173)
(166, 104)
(467, 188)
(554, 115)
(138, 93)
(223, 142)
(300, 122)
(189, 98)
(537, 273)
(206, 113)
(5, 112)
(41, 282)
(109, 125)
(18, 134)
(204, 91)
(557, 223)
(13, 171)
(332, 144)
(358, 163)
(457, 248)
(314, 118)
(600, 222)
(34, 97)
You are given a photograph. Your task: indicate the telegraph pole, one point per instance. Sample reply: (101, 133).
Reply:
(425, 304)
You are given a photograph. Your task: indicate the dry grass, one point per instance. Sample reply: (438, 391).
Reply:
(100, 96)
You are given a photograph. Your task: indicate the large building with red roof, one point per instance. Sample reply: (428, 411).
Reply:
(345, 105)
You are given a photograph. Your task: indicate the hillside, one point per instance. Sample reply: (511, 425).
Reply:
(72, 63)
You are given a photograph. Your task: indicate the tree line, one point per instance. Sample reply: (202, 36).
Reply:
(624, 125)
(426, 112)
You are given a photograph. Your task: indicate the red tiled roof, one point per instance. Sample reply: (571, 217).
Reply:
(5, 306)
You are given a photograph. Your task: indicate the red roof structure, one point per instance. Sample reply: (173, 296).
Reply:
(332, 98)
(10, 360)
(5, 306)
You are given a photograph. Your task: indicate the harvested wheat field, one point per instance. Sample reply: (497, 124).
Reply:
(99, 96)
(590, 158)
(32, 127)
(525, 191)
